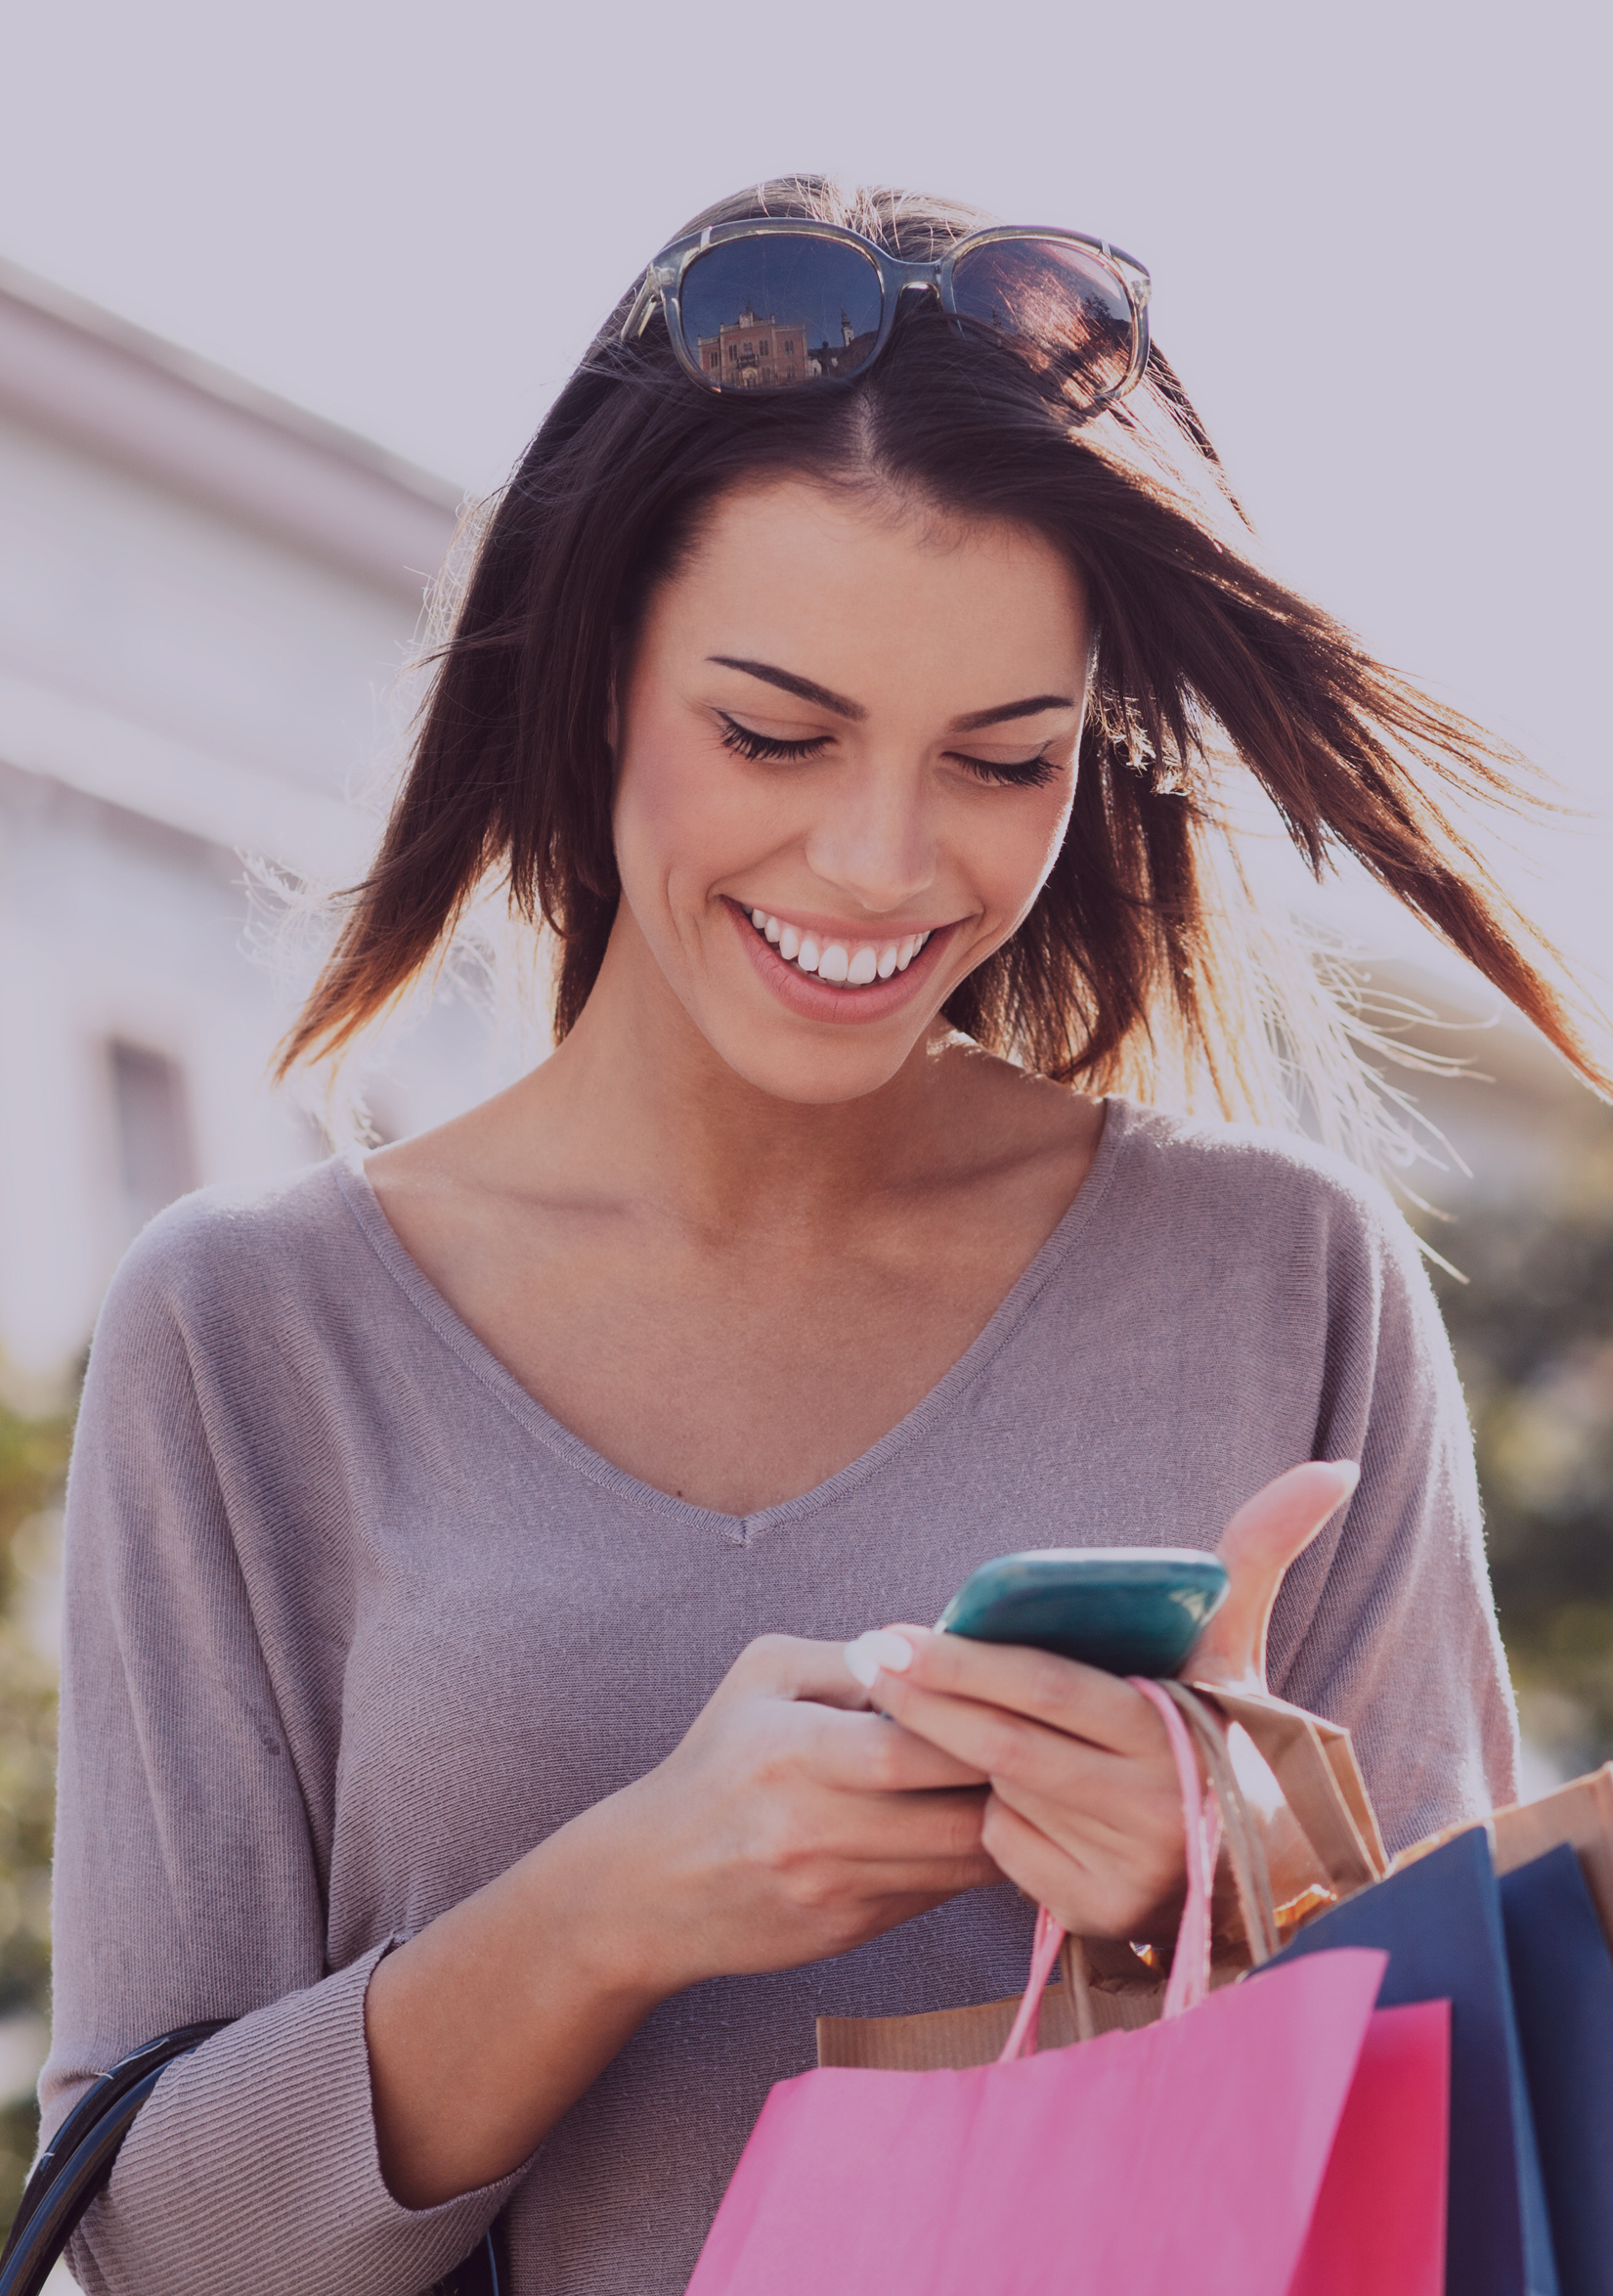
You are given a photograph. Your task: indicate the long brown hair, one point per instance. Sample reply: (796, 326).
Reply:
(1138, 967)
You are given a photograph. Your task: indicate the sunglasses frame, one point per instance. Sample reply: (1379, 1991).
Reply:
(663, 287)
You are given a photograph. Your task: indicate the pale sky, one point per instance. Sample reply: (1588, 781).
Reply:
(1377, 238)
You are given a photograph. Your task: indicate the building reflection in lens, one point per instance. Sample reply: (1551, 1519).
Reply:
(753, 353)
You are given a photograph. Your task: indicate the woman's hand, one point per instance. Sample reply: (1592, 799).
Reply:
(791, 1823)
(1085, 1813)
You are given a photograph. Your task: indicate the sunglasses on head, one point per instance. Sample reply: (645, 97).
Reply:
(786, 304)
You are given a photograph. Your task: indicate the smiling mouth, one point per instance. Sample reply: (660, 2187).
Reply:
(838, 964)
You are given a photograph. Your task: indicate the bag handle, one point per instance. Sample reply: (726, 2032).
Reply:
(1202, 1812)
(1320, 1780)
(78, 2162)
(1251, 1876)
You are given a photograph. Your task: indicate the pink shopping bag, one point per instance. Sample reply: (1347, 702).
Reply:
(1187, 2156)
(1379, 2223)
(1190, 2155)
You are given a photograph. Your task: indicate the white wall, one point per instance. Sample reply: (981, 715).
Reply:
(196, 661)
(121, 593)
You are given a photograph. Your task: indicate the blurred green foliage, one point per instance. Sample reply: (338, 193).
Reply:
(33, 1458)
(1533, 1333)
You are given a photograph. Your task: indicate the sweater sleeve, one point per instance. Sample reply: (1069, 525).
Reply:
(1387, 1624)
(187, 1884)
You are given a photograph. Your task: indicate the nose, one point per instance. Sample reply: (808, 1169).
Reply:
(874, 839)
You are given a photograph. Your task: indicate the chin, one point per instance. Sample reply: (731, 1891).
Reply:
(811, 1076)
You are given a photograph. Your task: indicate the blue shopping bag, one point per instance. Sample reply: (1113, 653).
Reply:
(1562, 1990)
(1440, 1923)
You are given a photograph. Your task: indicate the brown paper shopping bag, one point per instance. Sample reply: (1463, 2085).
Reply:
(1579, 1813)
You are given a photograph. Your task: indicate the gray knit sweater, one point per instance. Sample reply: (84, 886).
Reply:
(352, 1623)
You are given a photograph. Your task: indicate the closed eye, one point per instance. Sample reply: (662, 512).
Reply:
(762, 746)
(1020, 773)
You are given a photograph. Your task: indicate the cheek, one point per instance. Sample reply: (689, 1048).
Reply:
(1015, 847)
(676, 806)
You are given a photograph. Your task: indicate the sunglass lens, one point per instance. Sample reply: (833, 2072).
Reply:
(1059, 304)
(780, 309)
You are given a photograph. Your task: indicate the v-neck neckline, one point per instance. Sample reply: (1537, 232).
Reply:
(740, 1530)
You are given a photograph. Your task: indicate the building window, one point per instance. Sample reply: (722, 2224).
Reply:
(154, 1155)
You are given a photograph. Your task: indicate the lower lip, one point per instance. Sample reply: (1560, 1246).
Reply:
(817, 1000)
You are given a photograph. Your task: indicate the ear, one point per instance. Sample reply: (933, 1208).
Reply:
(1257, 1546)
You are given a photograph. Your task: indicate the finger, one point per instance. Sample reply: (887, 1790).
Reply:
(1115, 1817)
(789, 1666)
(1100, 1898)
(1082, 1701)
(999, 1744)
(870, 1753)
(1117, 1808)
(889, 1832)
(1044, 1870)
(915, 1889)
(942, 1880)
(904, 1830)
(1257, 1546)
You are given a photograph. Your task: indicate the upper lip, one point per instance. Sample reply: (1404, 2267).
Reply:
(867, 934)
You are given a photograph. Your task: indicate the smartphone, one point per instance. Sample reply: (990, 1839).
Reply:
(1129, 1610)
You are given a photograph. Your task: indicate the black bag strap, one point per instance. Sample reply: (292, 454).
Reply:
(78, 2161)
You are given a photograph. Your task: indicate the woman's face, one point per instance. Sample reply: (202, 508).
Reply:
(857, 725)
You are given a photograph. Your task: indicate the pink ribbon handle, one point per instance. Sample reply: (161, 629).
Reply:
(1189, 1968)
(1044, 1952)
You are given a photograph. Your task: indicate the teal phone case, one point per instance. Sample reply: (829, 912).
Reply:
(1129, 1610)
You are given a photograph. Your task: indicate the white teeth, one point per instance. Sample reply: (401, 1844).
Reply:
(832, 960)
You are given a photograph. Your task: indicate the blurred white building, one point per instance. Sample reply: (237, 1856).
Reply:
(205, 596)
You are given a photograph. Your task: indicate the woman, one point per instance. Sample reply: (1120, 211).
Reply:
(462, 1544)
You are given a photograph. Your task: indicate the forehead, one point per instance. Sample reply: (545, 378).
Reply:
(845, 585)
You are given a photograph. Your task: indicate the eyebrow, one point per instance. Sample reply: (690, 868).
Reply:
(1031, 708)
(804, 688)
(808, 689)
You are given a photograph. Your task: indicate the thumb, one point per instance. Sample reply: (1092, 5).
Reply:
(1257, 1546)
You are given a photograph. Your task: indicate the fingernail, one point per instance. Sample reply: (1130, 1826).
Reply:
(878, 1648)
(1348, 1472)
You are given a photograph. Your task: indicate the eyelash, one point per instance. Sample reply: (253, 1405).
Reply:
(762, 748)
(1030, 774)
(759, 746)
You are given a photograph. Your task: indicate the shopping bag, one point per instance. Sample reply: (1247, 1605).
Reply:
(1194, 2151)
(1186, 2156)
(1379, 2222)
(1562, 1990)
(1579, 1813)
(1440, 1923)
